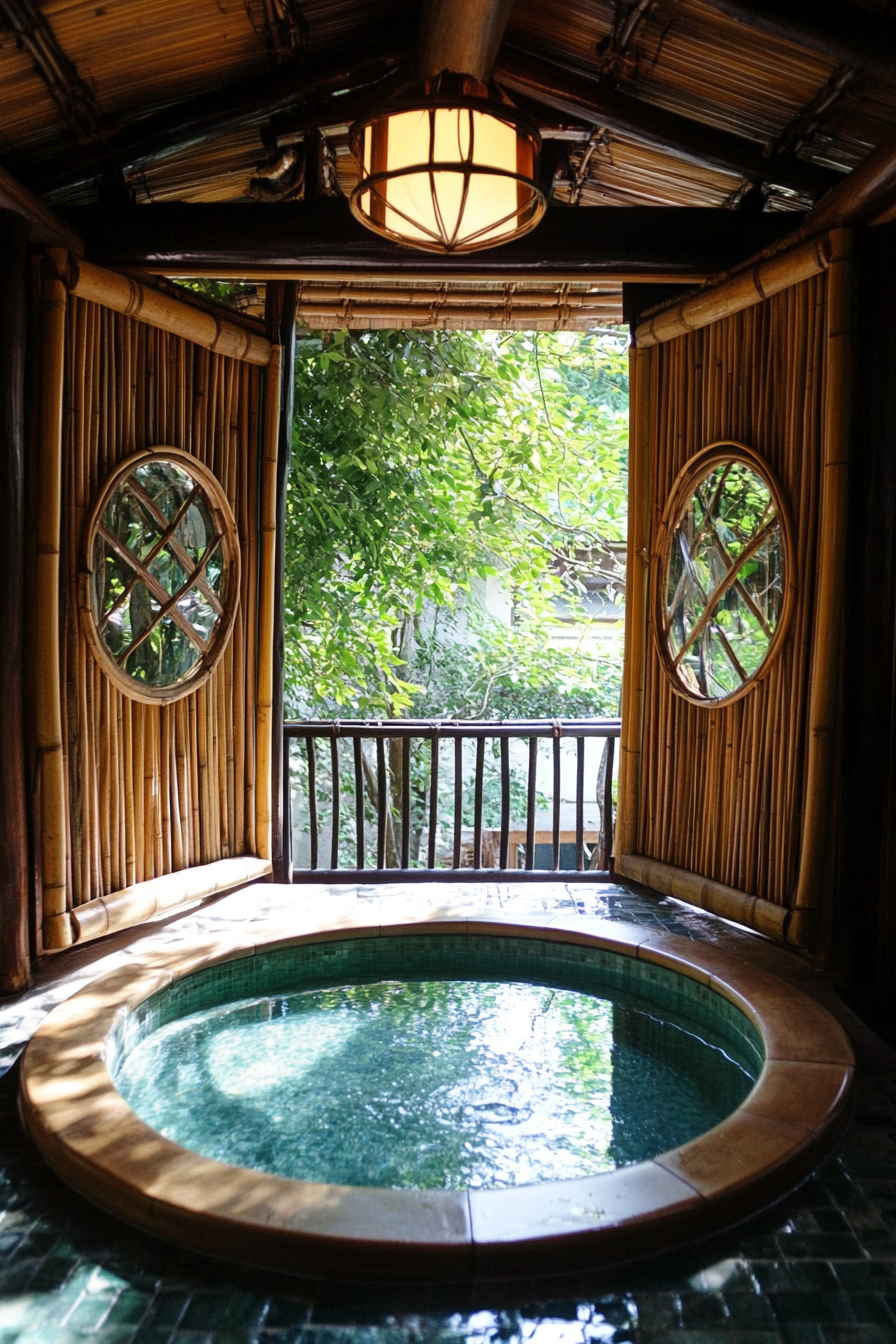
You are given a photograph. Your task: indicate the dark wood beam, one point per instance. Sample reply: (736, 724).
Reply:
(44, 229)
(866, 193)
(844, 32)
(14, 866)
(210, 114)
(295, 239)
(576, 96)
(280, 322)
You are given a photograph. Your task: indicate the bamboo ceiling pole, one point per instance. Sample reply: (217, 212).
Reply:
(56, 925)
(825, 673)
(411, 314)
(127, 296)
(735, 294)
(268, 548)
(356, 294)
(637, 569)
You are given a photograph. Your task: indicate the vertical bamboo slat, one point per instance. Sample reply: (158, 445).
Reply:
(636, 605)
(56, 926)
(825, 674)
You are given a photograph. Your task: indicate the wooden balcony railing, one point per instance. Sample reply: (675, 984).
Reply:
(360, 780)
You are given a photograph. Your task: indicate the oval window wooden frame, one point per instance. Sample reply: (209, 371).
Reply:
(694, 471)
(220, 509)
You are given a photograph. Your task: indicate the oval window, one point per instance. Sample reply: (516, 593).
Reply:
(162, 581)
(725, 574)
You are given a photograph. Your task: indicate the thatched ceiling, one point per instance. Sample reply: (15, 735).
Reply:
(738, 103)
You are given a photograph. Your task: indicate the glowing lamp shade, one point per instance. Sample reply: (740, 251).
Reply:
(448, 177)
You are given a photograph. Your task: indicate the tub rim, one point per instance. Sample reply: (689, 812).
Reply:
(90, 1136)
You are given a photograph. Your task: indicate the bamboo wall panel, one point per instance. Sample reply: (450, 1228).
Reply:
(721, 789)
(155, 789)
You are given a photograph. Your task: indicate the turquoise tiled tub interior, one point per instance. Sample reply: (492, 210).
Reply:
(481, 1060)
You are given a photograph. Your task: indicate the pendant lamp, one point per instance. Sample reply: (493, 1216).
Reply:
(451, 166)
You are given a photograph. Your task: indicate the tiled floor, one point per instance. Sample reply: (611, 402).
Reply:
(820, 1268)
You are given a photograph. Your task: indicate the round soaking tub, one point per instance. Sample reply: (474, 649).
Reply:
(443, 1098)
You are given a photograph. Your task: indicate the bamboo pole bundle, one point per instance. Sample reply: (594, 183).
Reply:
(359, 313)
(313, 293)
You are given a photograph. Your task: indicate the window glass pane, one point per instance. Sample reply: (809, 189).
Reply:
(724, 584)
(165, 658)
(159, 572)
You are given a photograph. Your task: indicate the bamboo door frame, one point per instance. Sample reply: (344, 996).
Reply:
(795, 922)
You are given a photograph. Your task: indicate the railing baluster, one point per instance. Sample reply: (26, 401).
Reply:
(405, 802)
(359, 803)
(608, 805)
(580, 804)
(312, 798)
(530, 804)
(555, 827)
(286, 803)
(334, 769)
(433, 800)
(287, 785)
(458, 796)
(505, 800)
(380, 803)
(477, 803)
(367, 781)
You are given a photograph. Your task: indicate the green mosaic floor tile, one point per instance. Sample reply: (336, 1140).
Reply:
(839, 1256)
(819, 1308)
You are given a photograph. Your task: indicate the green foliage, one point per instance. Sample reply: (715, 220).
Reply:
(227, 292)
(423, 461)
(511, 672)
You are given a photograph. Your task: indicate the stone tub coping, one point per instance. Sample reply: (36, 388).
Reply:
(93, 1140)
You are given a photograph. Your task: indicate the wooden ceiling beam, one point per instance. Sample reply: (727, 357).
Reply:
(44, 228)
(843, 32)
(296, 240)
(211, 114)
(868, 193)
(585, 99)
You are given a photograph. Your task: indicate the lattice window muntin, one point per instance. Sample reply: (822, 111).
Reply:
(163, 575)
(724, 579)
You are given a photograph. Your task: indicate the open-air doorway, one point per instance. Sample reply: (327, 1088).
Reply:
(455, 551)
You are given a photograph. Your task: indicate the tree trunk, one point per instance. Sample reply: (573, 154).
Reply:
(599, 860)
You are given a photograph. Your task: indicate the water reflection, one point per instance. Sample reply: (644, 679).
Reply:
(433, 1084)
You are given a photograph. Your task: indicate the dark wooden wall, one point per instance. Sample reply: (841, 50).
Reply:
(863, 933)
(14, 959)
